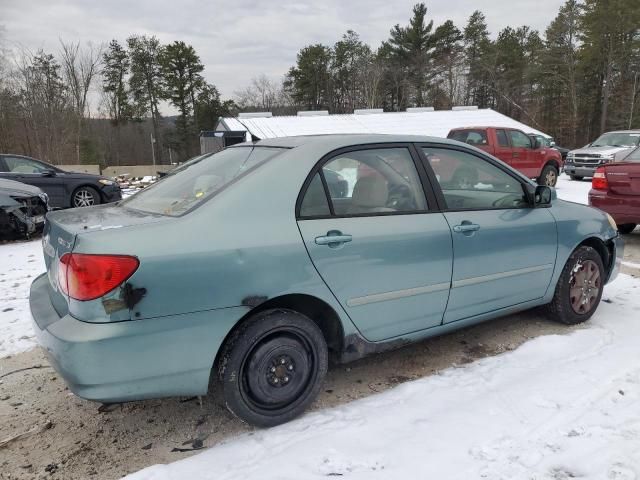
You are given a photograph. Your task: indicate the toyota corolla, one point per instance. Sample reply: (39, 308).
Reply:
(249, 269)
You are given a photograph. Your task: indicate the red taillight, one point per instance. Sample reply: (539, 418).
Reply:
(87, 277)
(599, 180)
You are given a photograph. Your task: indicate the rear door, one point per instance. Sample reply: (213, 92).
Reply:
(503, 149)
(504, 250)
(384, 254)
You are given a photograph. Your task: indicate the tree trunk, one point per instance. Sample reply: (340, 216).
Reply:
(605, 91)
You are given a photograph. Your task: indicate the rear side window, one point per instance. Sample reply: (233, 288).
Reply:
(24, 165)
(472, 136)
(503, 141)
(198, 180)
(371, 181)
(314, 203)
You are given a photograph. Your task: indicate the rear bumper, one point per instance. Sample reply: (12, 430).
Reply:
(131, 360)
(579, 171)
(623, 208)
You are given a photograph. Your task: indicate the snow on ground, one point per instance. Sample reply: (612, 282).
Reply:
(558, 407)
(573, 190)
(21, 262)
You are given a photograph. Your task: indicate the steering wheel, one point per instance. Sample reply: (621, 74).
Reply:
(400, 198)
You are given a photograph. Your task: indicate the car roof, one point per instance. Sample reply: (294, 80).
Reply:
(484, 127)
(635, 130)
(333, 141)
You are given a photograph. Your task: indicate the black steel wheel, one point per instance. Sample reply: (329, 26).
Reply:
(272, 367)
(579, 288)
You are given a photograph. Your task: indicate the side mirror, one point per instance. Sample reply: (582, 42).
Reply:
(49, 173)
(542, 196)
(537, 144)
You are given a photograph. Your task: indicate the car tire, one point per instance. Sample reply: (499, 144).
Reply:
(85, 197)
(626, 228)
(549, 176)
(579, 288)
(576, 177)
(272, 367)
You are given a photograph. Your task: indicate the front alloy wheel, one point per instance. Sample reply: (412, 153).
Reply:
(85, 197)
(579, 288)
(585, 283)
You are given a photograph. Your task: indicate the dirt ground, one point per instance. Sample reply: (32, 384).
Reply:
(73, 438)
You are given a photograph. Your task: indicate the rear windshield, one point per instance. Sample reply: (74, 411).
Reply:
(198, 179)
(472, 137)
(617, 139)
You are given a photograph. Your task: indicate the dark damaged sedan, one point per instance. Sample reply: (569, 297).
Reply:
(22, 209)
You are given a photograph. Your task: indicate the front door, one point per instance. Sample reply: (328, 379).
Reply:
(503, 149)
(524, 158)
(384, 255)
(504, 250)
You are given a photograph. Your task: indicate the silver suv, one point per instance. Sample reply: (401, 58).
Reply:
(609, 147)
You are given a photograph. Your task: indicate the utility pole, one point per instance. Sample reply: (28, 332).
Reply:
(153, 149)
(633, 98)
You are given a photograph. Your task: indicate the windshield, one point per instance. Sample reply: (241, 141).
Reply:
(617, 139)
(633, 156)
(199, 179)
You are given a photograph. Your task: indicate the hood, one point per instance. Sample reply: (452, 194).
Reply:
(602, 151)
(10, 187)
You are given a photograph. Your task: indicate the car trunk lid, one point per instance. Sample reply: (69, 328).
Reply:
(61, 233)
(623, 178)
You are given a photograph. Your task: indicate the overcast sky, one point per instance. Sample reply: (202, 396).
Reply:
(240, 39)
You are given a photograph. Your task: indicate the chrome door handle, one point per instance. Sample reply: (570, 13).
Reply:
(333, 238)
(466, 227)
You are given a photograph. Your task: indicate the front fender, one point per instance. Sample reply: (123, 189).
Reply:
(577, 224)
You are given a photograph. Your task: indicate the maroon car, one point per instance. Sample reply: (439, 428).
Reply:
(615, 188)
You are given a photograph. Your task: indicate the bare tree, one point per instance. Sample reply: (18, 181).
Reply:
(80, 66)
(262, 93)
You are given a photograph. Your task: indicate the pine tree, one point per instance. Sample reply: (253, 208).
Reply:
(181, 73)
(478, 54)
(308, 82)
(146, 82)
(413, 46)
(115, 70)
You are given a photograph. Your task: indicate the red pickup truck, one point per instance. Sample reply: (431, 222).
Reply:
(516, 149)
